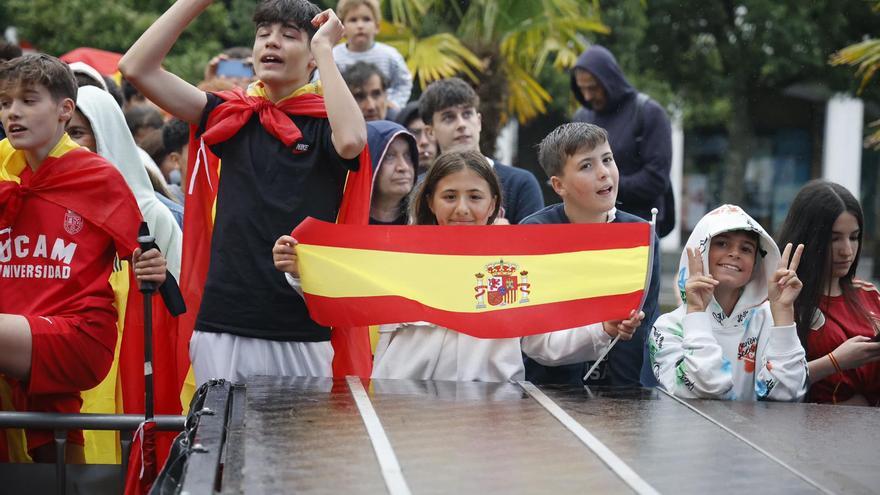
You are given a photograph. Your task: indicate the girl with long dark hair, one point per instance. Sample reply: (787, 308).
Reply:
(836, 314)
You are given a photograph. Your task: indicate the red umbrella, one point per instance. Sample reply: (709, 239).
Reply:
(103, 61)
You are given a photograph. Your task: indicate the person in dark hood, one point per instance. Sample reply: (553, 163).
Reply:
(638, 129)
(394, 155)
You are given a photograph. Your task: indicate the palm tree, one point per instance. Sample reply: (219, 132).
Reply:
(865, 55)
(502, 45)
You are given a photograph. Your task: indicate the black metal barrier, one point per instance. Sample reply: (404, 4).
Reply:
(195, 463)
(28, 478)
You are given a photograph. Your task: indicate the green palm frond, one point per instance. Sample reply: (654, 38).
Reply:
(873, 140)
(556, 29)
(392, 32)
(865, 55)
(526, 49)
(523, 35)
(408, 12)
(540, 39)
(436, 57)
(527, 98)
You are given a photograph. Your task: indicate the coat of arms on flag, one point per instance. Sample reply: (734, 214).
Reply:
(502, 286)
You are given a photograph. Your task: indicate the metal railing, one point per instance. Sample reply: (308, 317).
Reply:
(126, 424)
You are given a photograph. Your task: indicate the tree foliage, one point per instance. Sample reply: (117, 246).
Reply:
(865, 56)
(716, 58)
(504, 45)
(57, 27)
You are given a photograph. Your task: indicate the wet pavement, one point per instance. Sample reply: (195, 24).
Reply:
(837, 446)
(297, 435)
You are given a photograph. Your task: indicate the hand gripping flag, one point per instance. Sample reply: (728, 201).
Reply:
(351, 347)
(485, 281)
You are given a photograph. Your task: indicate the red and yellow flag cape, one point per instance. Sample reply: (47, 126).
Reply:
(352, 347)
(485, 281)
(82, 186)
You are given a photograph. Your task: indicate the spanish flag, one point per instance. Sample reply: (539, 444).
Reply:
(484, 281)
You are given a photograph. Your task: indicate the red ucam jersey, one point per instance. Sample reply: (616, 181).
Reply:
(60, 229)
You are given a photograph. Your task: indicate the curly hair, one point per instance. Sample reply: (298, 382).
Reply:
(298, 13)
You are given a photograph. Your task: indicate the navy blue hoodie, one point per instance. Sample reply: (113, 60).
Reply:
(644, 168)
(627, 364)
(380, 133)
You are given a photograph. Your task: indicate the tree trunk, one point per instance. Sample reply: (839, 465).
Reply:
(739, 149)
(492, 91)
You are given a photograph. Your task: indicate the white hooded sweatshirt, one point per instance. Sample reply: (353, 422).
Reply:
(114, 143)
(424, 351)
(740, 356)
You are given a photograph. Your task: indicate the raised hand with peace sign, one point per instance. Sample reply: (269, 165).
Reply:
(784, 286)
(700, 285)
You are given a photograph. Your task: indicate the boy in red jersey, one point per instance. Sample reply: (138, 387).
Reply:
(64, 215)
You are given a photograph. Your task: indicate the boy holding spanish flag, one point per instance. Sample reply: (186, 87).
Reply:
(578, 159)
(286, 153)
(65, 213)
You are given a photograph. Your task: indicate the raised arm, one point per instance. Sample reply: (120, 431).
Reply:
(783, 372)
(142, 63)
(349, 130)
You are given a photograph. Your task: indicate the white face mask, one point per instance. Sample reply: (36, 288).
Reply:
(174, 177)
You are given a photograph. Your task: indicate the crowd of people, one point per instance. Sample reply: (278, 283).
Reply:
(84, 160)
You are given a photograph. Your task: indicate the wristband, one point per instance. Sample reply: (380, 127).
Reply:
(834, 362)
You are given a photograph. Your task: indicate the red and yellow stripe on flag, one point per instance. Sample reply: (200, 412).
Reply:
(488, 282)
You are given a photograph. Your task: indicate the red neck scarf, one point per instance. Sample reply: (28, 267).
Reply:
(238, 108)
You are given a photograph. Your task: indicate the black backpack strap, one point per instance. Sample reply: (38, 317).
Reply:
(641, 100)
(666, 221)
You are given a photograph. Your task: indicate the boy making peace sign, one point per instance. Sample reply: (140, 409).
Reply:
(734, 336)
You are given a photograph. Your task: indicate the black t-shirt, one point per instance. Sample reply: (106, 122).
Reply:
(266, 190)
